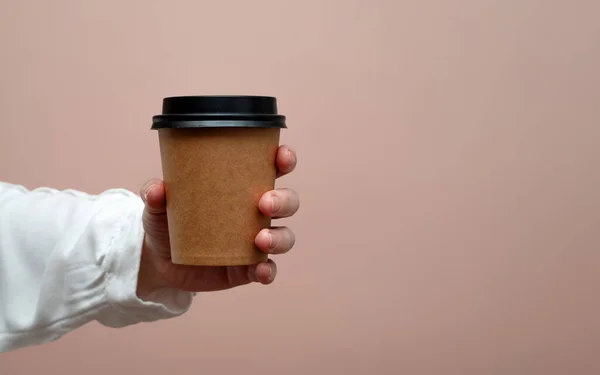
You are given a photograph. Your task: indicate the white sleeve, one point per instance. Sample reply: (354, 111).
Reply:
(68, 258)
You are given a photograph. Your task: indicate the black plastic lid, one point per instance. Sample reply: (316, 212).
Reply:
(219, 111)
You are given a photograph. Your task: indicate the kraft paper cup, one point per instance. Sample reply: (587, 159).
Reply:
(218, 159)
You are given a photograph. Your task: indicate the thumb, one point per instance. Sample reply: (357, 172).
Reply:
(154, 197)
(154, 217)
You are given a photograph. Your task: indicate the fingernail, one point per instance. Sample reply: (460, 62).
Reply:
(271, 241)
(147, 191)
(271, 273)
(291, 155)
(275, 203)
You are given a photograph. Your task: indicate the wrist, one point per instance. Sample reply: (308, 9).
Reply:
(149, 279)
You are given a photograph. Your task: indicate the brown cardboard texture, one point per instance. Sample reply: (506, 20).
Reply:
(214, 178)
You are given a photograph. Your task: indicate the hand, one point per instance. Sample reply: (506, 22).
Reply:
(157, 270)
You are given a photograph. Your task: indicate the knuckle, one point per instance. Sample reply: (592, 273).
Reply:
(291, 238)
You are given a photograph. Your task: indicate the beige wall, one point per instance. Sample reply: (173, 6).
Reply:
(449, 175)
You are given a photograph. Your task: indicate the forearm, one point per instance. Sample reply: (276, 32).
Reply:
(67, 258)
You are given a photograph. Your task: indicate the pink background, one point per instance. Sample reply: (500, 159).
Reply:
(448, 173)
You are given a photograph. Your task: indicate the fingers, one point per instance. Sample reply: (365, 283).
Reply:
(263, 273)
(279, 203)
(285, 160)
(211, 279)
(153, 195)
(275, 240)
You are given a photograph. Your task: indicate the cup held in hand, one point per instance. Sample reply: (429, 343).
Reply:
(218, 159)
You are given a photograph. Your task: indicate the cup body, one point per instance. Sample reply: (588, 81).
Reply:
(214, 178)
(218, 159)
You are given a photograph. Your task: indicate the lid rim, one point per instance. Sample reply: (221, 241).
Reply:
(199, 124)
(218, 115)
